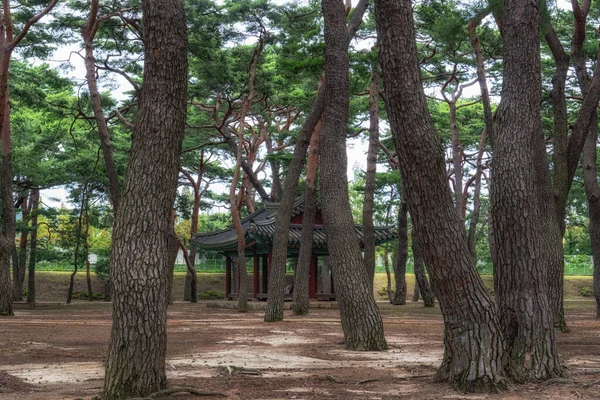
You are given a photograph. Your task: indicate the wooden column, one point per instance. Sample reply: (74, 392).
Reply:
(256, 277)
(227, 276)
(313, 278)
(265, 274)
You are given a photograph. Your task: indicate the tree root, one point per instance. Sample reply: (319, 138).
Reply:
(180, 389)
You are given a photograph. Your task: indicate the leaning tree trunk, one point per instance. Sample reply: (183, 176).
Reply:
(420, 277)
(360, 317)
(301, 284)
(522, 281)
(35, 203)
(276, 298)
(135, 363)
(474, 347)
(593, 196)
(401, 253)
(369, 198)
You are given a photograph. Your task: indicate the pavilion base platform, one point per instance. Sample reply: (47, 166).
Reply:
(287, 297)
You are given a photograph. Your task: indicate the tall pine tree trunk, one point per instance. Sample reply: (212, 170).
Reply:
(590, 179)
(290, 186)
(19, 271)
(474, 353)
(302, 271)
(369, 198)
(35, 203)
(522, 282)
(360, 317)
(401, 253)
(135, 363)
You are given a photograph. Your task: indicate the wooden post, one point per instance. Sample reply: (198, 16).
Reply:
(256, 277)
(312, 278)
(227, 276)
(265, 274)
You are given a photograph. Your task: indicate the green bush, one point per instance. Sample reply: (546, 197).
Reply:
(211, 294)
(585, 291)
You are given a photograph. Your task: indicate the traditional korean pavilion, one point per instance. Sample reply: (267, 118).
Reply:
(259, 228)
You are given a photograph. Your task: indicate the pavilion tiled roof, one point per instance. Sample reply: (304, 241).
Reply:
(259, 227)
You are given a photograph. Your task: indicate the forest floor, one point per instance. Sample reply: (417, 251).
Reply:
(57, 353)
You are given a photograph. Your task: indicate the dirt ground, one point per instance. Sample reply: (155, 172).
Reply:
(57, 353)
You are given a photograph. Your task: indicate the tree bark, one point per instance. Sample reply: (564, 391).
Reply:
(191, 277)
(88, 33)
(474, 352)
(35, 203)
(135, 364)
(472, 233)
(415, 297)
(401, 253)
(301, 284)
(19, 271)
(361, 321)
(522, 281)
(325, 275)
(77, 243)
(86, 247)
(290, 186)
(421, 278)
(369, 193)
(592, 191)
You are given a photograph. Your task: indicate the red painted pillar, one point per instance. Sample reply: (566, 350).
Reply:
(312, 278)
(265, 274)
(227, 276)
(256, 277)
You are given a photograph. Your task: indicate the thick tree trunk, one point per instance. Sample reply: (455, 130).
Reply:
(593, 196)
(361, 321)
(35, 203)
(290, 186)
(135, 364)
(401, 254)
(7, 211)
(474, 353)
(369, 198)
(522, 281)
(301, 273)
